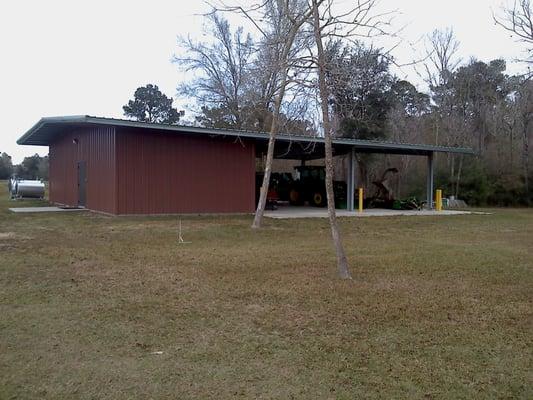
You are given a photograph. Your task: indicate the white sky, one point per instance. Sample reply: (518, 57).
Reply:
(69, 57)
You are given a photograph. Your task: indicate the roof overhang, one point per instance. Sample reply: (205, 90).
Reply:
(44, 132)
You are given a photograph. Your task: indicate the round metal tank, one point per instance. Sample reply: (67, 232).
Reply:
(27, 188)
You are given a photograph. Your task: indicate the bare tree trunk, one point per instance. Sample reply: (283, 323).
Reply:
(258, 218)
(284, 65)
(526, 161)
(342, 262)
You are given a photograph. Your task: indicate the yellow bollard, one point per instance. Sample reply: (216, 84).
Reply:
(360, 200)
(438, 200)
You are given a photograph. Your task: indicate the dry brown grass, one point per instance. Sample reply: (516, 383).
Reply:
(440, 307)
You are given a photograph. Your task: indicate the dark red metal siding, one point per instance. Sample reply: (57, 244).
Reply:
(95, 146)
(168, 173)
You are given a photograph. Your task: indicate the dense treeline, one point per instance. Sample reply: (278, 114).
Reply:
(481, 107)
(33, 167)
(467, 104)
(6, 166)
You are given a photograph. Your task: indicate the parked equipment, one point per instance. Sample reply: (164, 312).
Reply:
(383, 197)
(308, 187)
(411, 203)
(278, 189)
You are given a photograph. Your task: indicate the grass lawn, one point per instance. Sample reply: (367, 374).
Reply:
(100, 307)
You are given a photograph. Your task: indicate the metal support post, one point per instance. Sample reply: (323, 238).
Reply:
(351, 181)
(429, 188)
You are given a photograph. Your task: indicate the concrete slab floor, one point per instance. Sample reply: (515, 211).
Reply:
(287, 212)
(43, 209)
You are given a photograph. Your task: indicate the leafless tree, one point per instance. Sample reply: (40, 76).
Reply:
(289, 16)
(524, 103)
(448, 126)
(330, 23)
(235, 80)
(518, 20)
(342, 261)
(442, 58)
(224, 67)
(279, 22)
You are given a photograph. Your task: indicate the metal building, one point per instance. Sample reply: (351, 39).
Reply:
(127, 167)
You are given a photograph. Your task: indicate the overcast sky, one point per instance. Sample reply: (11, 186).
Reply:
(71, 57)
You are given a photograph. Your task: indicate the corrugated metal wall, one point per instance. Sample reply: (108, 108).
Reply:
(95, 146)
(168, 173)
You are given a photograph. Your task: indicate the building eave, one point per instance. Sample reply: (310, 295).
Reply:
(47, 129)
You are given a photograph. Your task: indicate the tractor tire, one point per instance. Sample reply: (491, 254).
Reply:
(318, 199)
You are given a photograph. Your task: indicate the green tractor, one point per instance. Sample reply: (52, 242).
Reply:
(310, 186)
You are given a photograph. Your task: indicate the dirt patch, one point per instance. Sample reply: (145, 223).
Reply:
(12, 236)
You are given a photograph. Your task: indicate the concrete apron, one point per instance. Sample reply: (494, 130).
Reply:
(314, 212)
(43, 209)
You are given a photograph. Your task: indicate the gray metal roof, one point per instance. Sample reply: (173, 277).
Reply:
(48, 128)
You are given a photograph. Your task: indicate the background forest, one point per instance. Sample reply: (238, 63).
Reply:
(467, 103)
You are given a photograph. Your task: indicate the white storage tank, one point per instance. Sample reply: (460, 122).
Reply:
(28, 189)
